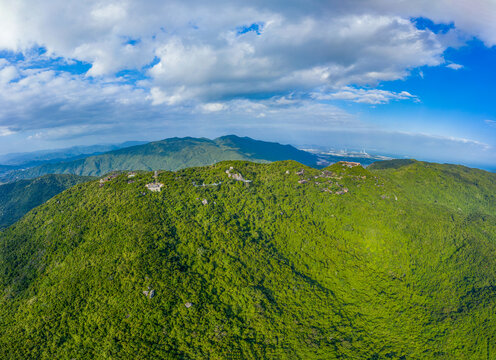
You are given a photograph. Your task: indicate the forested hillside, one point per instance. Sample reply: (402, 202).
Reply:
(18, 197)
(171, 154)
(458, 187)
(5, 168)
(256, 261)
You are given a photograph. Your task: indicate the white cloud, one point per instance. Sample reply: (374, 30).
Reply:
(190, 60)
(200, 55)
(8, 73)
(213, 107)
(285, 116)
(5, 131)
(454, 66)
(41, 99)
(96, 31)
(106, 13)
(366, 96)
(294, 54)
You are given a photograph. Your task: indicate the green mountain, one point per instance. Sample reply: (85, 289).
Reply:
(240, 260)
(457, 187)
(18, 197)
(171, 154)
(35, 158)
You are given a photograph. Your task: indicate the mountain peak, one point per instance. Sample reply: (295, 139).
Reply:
(172, 154)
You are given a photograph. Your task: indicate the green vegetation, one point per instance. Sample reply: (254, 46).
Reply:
(171, 154)
(458, 187)
(282, 267)
(18, 197)
(35, 158)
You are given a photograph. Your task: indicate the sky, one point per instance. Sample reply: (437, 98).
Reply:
(412, 78)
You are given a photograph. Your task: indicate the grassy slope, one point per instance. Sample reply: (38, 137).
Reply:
(172, 154)
(274, 269)
(18, 197)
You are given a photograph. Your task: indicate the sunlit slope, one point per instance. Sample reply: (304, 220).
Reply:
(337, 263)
(458, 187)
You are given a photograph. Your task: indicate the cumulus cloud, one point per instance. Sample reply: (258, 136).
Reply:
(191, 50)
(7, 74)
(40, 98)
(108, 66)
(293, 54)
(202, 54)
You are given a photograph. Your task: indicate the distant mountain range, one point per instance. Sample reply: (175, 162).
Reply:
(170, 154)
(25, 189)
(15, 161)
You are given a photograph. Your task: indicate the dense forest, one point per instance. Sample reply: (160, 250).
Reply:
(18, 197)
(240, 260)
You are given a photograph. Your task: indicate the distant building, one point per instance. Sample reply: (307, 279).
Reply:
(349, 164)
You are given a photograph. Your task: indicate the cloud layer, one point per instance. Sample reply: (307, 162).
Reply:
(72, 68)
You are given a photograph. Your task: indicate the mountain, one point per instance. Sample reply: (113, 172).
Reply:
(241, 260)
(18, 197)
(6, 168)
(31, 159)
(171, 154)
(457, 187)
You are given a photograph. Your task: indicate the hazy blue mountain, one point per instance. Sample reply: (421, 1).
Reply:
(171, 154)
(6, 168)
(30, 159)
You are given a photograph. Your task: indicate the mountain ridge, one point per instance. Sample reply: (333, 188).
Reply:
(170, 154)
(34, 158)
(19, 197)
(340, 262)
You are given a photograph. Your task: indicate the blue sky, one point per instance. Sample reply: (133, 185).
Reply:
(457, 103)
(413, 79)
